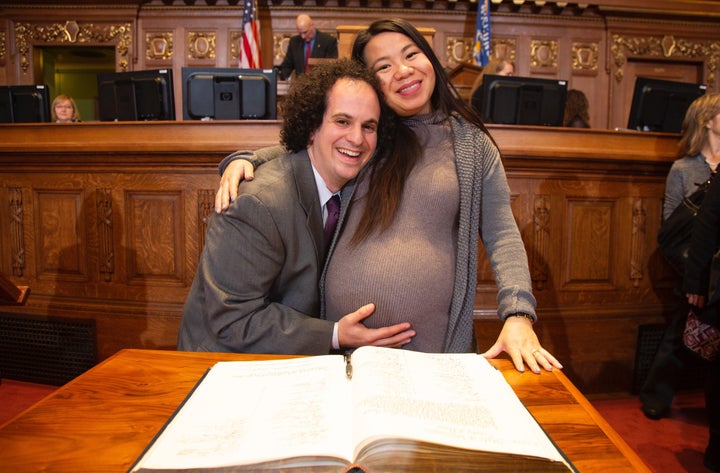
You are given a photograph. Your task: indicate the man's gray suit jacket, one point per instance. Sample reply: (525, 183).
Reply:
(256, 286)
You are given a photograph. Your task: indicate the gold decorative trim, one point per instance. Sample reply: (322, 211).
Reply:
(235, 39)
(17, 232)
(159, 46)
(28, 35)
(459, 51)
(3, 47)
(669, 47)
(280, 45)
(585, 58)
(201, 45)
(103, 198)
(543, 55)
(504, 49)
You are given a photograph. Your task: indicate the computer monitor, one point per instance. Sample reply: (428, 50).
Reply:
(136, 95)
(229, 94)
(24, 104)
(660, 105)
(516, 100)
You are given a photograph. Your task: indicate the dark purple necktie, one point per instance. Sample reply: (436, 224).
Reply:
(333, 210)
(308, 51)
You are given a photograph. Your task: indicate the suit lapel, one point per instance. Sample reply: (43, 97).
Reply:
(309, 200)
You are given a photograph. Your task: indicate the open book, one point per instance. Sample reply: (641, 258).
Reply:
(379, 410)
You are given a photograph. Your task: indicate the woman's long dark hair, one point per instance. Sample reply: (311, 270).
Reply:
(388, 176)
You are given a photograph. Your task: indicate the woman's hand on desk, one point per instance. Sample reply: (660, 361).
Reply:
(518, 339)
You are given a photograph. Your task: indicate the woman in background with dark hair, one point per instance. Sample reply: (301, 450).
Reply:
(576, 110)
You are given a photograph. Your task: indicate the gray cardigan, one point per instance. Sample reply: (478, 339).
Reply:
(682, 180)
(485, 210)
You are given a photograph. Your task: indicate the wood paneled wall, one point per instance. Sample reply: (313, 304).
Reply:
(106, 221)
(597, 47)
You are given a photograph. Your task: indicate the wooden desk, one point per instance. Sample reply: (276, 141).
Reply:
(102, 420)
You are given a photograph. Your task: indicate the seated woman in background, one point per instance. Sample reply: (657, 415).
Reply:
(64, 110)
(498, 67)
(576, 110)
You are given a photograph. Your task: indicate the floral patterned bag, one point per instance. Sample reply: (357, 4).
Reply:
(702, 338)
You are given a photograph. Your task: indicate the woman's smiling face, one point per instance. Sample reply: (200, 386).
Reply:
(406, 75)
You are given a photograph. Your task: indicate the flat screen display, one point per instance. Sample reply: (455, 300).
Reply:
(229, 94)
(24, 104)
(516, 100)
(136, 95)
(660, 105)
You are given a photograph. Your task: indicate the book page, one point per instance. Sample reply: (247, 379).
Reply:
(451, 399)
(254, 411)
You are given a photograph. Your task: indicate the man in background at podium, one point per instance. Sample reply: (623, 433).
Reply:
(308, 43)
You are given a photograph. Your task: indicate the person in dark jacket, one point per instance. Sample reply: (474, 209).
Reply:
(699, 158)
(704, 244)
(320, 45)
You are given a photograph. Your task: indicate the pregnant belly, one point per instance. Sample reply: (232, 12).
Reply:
(408, 282)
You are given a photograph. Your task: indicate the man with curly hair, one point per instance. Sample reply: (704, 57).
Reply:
(256, 289)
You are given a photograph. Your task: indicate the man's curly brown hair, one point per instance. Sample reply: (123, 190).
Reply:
(306, 102)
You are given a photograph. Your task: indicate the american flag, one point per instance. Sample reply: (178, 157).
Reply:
(250, 44)
(482, 51)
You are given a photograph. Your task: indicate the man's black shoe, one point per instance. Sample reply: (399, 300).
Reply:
(655, 413)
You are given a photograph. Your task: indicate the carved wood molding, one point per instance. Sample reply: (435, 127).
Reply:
(541, 247)
(104, 205)
(459, 50)
(543, 56)
(159, 46)
(206, 202)
(235, 40)
(3, 47)
(17, 232)
(201, 45)
(585, 58)
(73, 32)
(637, 246)
(669, 47)
(280, 45)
